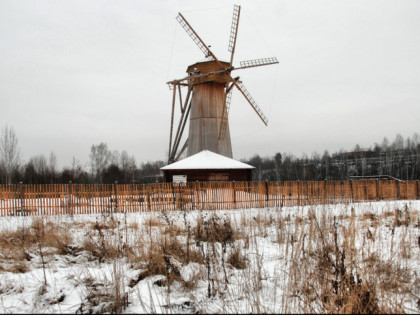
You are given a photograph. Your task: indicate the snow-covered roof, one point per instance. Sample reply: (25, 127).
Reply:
(208, 59)
(206, 160)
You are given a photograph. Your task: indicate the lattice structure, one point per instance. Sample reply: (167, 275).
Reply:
(224, 120)
(73, 199)
(258, 62)
(251, 101)
(197, 40)
(234, 28)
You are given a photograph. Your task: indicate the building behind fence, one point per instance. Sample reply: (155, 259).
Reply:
(94, 198)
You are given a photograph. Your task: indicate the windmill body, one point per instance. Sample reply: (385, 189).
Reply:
(206, 104)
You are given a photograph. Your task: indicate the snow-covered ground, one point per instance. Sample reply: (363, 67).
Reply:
(274, 260)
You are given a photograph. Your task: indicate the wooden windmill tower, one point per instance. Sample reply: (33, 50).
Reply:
(207, 101)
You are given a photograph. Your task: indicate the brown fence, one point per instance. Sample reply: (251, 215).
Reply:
(90, 199)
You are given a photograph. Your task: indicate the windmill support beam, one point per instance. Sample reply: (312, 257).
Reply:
(187, 98)
(172, 120)
(180, 98)
(182, 150)
(180, 132)
(182, 119)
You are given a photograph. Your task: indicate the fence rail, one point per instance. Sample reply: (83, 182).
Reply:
(90, 199)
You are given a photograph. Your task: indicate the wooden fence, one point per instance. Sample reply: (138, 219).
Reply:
(90, 199)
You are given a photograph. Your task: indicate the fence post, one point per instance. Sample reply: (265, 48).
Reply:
(325, 191)
(307, 193)
(377, 190)
(298, 193)
(69, 205)
(149, 206)
(266, 193)
(397, 186)
(351, 190)
(365, 190)
(116, 196)
(234, 194)
(22, 200)
(417, 190)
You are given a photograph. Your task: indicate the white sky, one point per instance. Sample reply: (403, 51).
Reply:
(77, 73)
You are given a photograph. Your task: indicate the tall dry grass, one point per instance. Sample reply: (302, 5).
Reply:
(305, 259)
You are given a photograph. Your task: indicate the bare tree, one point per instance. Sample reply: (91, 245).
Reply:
(115, 157)
(100, 157)
(277, 164)
(128, 166)
(9, 153)
(41, 164)
(52, 166)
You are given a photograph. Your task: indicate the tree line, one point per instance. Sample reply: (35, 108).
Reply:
(397, 159)
(105, 166)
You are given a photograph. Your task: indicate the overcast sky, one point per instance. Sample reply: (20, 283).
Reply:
(77, 73)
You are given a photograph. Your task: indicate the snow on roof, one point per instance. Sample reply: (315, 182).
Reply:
(208, 59)
(206, 160)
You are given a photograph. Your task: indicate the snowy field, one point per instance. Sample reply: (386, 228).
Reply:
(361, 257)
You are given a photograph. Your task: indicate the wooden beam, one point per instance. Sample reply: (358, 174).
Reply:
(197, 40)
(234, 31)
(187, 97)
(172, 121)
(181, 121)
(182, 150)
(175, 148)
(180, 97)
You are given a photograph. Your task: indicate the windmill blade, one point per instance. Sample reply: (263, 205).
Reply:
(234, 31)
(257, 63)
(196, 39)
(225, 112)
(250, 100)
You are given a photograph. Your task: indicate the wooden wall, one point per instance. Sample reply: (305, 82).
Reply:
(205, 118)
(210, 175)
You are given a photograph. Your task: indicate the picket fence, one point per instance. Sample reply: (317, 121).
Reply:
(72, 199)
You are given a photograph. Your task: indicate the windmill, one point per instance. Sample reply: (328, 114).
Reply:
(209, 90)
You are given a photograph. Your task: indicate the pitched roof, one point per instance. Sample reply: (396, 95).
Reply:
(206, 160)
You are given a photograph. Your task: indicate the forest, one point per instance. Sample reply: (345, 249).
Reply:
(397, 159)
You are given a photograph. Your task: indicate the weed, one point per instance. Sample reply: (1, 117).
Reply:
(236, 259)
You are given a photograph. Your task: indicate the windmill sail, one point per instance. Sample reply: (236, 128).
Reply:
(234, 31)
(225, 113)
(251, 101)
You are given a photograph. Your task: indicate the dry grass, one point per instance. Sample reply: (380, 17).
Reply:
(329, 264)
(236, 259)
(107, 295)
(17, 248)
(333, 276)
(214, 229)
(102, 244)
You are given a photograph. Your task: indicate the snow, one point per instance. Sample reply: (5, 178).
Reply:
(75, 280)
(207, 160)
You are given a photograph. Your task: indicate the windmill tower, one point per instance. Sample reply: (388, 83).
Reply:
(206, 104)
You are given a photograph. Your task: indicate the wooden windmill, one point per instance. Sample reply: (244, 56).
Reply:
(207, 101)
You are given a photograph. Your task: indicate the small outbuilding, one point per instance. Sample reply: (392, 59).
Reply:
(207, 166)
